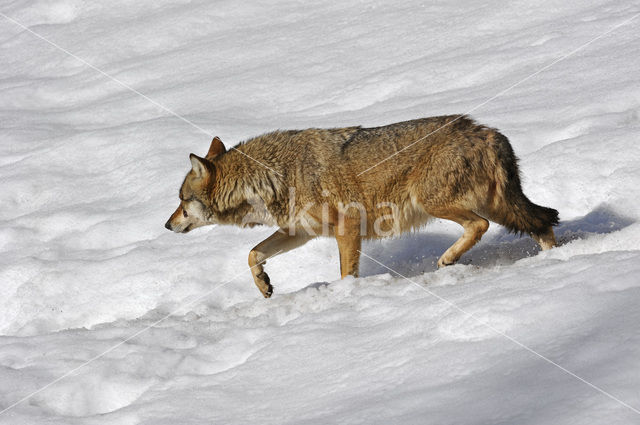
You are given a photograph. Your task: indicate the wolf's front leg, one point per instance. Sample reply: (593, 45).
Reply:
(349, 242)
(279, 242)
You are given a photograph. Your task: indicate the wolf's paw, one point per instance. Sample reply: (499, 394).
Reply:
(445, 262)
(264, 284)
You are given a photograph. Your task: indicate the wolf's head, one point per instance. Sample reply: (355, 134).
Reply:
(196, 192)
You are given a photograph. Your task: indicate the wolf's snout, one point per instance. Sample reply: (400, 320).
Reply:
(168, 225)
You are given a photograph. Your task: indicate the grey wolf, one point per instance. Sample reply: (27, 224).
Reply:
(307, 183)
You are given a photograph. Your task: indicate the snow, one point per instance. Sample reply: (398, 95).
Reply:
(161, 328)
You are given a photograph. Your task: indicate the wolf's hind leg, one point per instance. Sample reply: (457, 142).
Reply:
(279, 242)
(474, 227)
(546, 239)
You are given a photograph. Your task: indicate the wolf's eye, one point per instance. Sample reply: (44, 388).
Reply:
(184, 213)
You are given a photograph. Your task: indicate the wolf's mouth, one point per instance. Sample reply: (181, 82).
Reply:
(186, 229)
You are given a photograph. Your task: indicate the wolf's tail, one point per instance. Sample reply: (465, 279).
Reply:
(512, 208)
(520, 215)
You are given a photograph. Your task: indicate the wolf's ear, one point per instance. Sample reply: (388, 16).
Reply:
(216, 148)
(200, 166)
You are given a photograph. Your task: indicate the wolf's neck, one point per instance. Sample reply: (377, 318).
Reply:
(244, 186)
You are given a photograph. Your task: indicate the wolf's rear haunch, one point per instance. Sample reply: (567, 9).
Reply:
(359, 183)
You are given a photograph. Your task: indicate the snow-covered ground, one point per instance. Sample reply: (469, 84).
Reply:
(90, 172)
